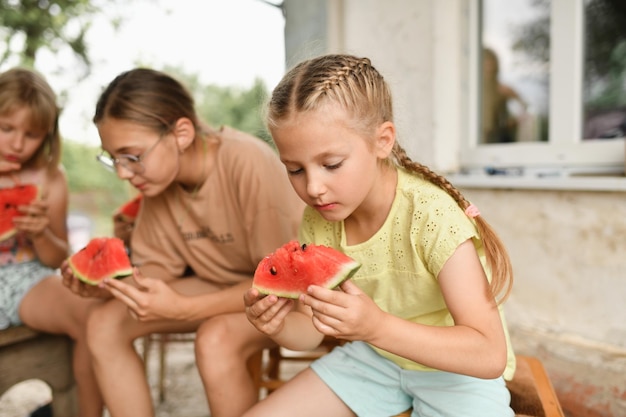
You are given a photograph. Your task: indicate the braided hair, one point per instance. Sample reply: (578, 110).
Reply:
(354, 84)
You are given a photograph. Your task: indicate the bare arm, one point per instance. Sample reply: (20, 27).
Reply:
(45, 221)
(155, 299)
(474, 346)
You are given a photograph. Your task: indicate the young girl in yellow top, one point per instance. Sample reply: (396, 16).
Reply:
(30, 291)
(420, 316)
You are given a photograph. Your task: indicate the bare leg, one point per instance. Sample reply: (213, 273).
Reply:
(223, 345)
(52, 308)
(305, 395)
(119, 370)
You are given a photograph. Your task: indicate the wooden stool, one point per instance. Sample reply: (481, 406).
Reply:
(264, 366)
(26, 354)
(532, 393)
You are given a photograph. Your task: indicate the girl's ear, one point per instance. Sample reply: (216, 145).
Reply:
(385, 139)
(185, 132)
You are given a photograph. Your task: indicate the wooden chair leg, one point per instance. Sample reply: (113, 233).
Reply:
(163, 339)
(146, 343)
(255, 369)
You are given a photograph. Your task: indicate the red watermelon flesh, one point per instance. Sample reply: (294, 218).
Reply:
(293, 267)
(130, 209)
(10, 200)
(103, 257)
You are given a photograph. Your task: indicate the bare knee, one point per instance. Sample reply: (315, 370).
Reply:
(215, 337)
(105, 328)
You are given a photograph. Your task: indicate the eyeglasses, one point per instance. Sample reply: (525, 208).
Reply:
(131, 163)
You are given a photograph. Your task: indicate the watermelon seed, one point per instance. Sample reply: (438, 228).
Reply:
(273, 270)
(303, 246)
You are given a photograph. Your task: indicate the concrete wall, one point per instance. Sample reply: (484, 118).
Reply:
(567, 307)
(568, 248)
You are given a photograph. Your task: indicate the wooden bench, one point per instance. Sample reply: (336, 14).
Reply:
(26, 354)
(532, 393)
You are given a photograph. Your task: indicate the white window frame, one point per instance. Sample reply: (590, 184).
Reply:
(565, 153)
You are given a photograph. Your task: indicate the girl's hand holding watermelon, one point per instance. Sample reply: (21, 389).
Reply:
(152, 299)
(79, 287)
(267, 313)
(348, 314)
(34, 219)
(289, 273)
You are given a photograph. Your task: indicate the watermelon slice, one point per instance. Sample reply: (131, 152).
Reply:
(10, 199)
(130, 209)
(293, 267)
(103, 257)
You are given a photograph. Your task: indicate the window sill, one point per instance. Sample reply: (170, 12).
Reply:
(610, 183)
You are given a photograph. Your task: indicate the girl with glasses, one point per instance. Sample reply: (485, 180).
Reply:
(215, 202)
(31, 292)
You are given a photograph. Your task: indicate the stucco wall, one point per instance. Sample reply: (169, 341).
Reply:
(569, 255)
(390, 40)
(379, 30)
(568, 303)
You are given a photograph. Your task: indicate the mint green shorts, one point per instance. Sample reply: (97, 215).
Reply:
(374, 386)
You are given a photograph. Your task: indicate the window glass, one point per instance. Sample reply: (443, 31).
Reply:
(604, 91)
(546, 87)
(515, 68)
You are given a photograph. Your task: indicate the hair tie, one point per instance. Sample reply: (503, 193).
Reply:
(472, 211)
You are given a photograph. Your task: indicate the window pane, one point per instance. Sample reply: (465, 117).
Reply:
(516, 50)
(605, 69)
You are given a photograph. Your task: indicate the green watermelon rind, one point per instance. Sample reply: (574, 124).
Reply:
(346, 272)
(122, 273)
(8, 234)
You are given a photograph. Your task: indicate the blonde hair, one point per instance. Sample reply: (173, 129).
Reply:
(355, 85)
(21, 87)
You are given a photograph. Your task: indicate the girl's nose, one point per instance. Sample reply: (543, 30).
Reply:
(315, 186)
(17, 142)
(123, 173)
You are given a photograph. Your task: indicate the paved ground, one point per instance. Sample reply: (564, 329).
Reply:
(184, 392)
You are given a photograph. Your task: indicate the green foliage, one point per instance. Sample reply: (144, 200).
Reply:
(605, 54)
(28, 26)
(94, 191)
(45, 24)
(232, 106)
(84, 172)
(610, 92)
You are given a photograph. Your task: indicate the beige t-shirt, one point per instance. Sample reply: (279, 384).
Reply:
(245, 210)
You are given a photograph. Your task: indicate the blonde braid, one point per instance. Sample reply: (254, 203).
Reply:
(348, 81)
(498, 260)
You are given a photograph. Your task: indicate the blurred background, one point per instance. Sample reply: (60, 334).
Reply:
(228, 53)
